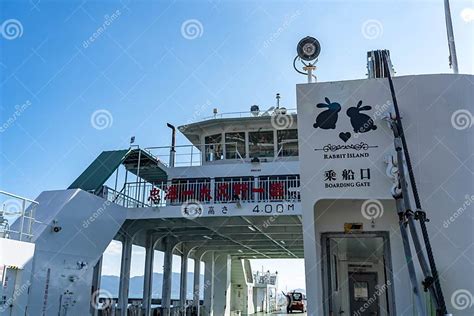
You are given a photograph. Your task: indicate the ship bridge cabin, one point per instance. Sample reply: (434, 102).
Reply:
(232, 158)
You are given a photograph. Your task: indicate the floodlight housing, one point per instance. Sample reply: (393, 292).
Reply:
(308, 48)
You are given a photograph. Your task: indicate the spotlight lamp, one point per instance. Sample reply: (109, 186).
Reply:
(308, 50)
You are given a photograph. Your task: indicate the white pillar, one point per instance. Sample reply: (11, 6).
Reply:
(125, 274)
(209, 283)
(197, 281)
(312, 261)
(183, 286)
(222, 277)
(148, 275)
(167, 275)
(96, 285)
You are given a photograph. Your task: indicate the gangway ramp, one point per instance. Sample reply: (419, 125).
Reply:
(137, 161)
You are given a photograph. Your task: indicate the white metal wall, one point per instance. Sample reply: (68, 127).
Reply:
(441, 148)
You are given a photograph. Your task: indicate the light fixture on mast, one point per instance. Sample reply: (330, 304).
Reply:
(308, 50)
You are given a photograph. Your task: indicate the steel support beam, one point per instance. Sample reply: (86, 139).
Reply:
(221, 281)
(96, 286)
(183, 287)
(196, 284)
(169, 244)
(148, 275)
(209, 270)
(125, 274)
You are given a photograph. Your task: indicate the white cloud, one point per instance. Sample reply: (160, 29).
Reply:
(114, 249)
(467, 15)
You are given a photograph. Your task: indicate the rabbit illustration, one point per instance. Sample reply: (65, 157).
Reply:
(361, 123)
(328, 118)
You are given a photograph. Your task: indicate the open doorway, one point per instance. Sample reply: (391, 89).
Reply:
(279, 286)
(357, 274)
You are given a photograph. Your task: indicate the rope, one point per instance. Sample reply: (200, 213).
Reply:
(420, 214)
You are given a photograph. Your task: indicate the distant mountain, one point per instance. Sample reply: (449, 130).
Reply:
(110, 283)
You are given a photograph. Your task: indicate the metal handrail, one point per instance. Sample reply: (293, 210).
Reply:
(200, 153)
(244, 114)
(116, 196)
(18, 197)
(23, 217)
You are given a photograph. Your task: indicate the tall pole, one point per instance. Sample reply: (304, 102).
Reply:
(453, 59)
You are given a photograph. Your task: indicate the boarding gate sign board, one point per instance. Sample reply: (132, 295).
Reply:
(343, 137)
(346, 143)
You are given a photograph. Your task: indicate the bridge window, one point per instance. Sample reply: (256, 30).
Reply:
(287, 143)
(261, 144)
(213, 147)
(235, 145)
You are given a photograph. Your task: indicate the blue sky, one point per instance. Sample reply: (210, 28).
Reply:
(142, 70)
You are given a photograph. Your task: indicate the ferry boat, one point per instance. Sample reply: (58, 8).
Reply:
(339, 184)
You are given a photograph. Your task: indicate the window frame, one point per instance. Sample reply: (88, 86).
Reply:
(244, 145)
(251, 143)
(280, 154)
(221, 143)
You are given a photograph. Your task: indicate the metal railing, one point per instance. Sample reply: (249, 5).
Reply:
(245, 114)
(207, 191)
(120, 198)
(196, 155)
(21, 209)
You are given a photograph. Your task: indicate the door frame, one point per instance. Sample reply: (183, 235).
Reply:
(326, 261)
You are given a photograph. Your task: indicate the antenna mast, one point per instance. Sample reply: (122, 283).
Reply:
(453, 59)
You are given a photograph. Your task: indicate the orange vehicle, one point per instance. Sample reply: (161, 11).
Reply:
(296, 302)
